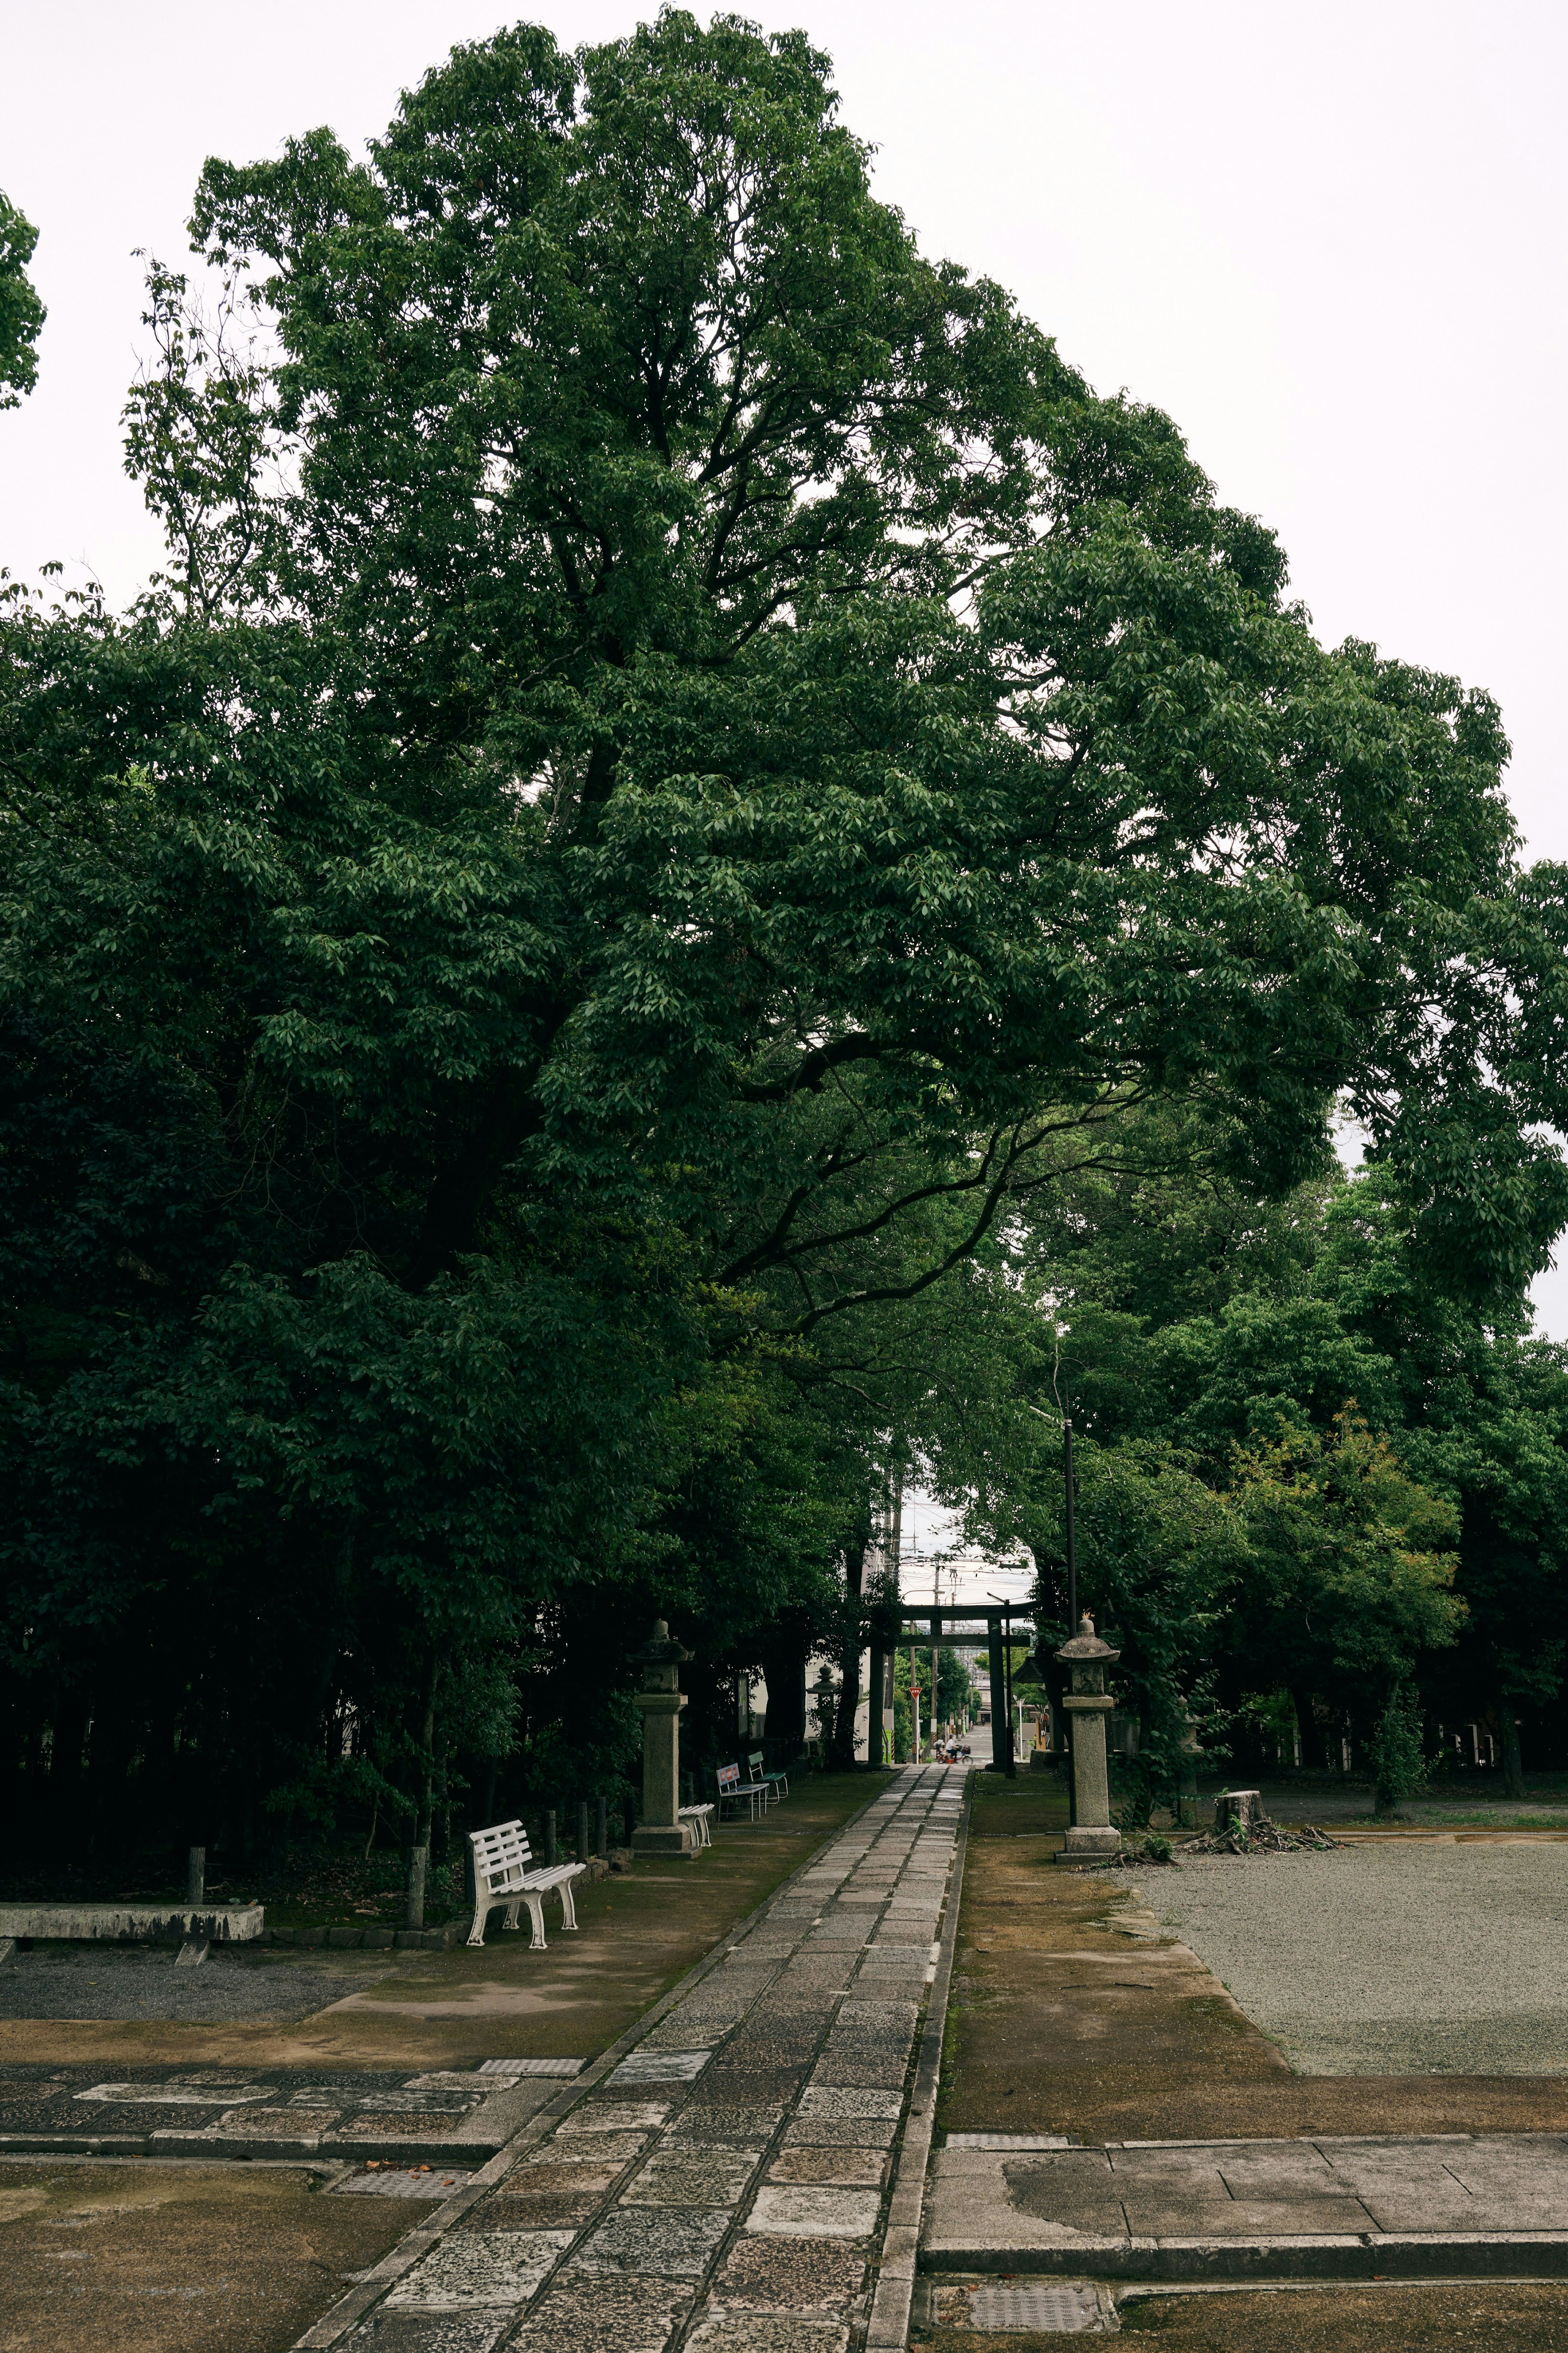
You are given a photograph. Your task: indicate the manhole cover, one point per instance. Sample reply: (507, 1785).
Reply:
(1061, 2309)
(1010, 2140)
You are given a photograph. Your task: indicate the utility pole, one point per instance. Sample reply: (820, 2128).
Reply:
(1067, 1725)
(1071, 1532)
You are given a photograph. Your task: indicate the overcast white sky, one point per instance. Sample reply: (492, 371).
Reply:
(1328, 239)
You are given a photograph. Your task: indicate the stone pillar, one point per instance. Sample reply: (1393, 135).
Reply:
(1088, 1704)
(660, 1701)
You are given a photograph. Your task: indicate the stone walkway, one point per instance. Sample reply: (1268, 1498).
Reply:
(725, 2186)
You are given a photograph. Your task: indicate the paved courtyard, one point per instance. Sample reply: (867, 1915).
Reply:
(1387, 1959)
(1335, 2208)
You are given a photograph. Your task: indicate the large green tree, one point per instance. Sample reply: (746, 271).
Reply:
(684, 768)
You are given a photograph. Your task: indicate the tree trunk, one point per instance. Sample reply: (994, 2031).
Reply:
(1238, 1809)
(427, 1749)
(1313, 1752)
(784, 1671)
(849, 1689)
(1512, 1757)
(71, 1713)
(419, 1853)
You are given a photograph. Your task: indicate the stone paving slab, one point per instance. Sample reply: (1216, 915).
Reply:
(262, 2112)
(726, 2188)
(1324, 2206)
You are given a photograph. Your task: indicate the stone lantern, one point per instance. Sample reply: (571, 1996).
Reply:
(660, 1700)
(1088, 1704)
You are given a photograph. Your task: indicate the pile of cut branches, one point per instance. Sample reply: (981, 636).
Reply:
(1262, 1837)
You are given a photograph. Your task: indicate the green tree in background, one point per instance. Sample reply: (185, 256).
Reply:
(21, 312)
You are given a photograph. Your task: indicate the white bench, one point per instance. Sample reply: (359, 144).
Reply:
(732, 1790)
(702, 1816)
(505, 1872)
(777, 1782)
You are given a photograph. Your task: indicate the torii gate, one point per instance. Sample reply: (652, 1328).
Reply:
(999, 1626)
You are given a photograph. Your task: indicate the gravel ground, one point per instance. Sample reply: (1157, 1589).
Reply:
(1296, 1801)
(1383, 1960)
(100, 1981)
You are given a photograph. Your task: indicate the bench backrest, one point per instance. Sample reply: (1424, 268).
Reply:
(729, 1778)
(501, 1853)
(755, 1762)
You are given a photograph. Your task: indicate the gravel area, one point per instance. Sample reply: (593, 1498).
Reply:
(1383, 1960)
(1328, 1801)
(105, 1981)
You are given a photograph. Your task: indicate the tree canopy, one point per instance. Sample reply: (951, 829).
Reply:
(687, 786)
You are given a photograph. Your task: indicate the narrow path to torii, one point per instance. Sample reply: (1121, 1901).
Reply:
(729, 2184)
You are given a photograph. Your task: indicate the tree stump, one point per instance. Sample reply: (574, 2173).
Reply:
(1238, 1809)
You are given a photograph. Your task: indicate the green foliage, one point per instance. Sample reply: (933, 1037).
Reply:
(21, 312)
(1399, 1763)
(1352, 1562)
(698, 835)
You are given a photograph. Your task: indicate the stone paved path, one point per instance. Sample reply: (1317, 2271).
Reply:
(725, 2187)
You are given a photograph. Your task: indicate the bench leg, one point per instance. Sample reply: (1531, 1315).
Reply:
(568, 1908)
(535, 1923)
(511, 1911)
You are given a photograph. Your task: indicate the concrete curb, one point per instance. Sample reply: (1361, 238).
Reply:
(351, 2308)
(1349, 2259)
(888, 2329)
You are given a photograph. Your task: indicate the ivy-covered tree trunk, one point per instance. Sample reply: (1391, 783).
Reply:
(844, 1752)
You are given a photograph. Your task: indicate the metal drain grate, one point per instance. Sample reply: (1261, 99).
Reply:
(1059, 2309)
(531, 2066)
(403, 2181)
(1010, 2140)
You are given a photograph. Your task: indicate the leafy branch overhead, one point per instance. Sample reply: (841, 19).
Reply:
(21, 312)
